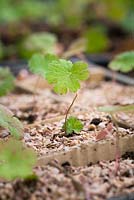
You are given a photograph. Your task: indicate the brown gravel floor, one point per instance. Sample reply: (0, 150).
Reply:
(50, 105)
(95, 182)
(47, 137)
(55, 182)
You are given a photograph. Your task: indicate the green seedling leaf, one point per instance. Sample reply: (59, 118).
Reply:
(73, 125)
(11, 123)
(6, 81)
(123, 62)
(66, 76)
(113, 109)
(15, 160)
(39, 64)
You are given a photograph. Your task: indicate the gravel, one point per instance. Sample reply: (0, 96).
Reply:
(95, 182)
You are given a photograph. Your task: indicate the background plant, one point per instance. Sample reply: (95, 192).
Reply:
(7, 81)
(43, 42)
(16, 161)
(123, 62)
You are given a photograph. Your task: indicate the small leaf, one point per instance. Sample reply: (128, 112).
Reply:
(11, 123)
(73, 125)
(113, 109)
(6, 81)
(66, 76)
(123, 62)
(39, 63)
(15, 160)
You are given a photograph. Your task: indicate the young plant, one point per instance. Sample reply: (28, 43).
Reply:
(72, 125)
(15, 160)
(65, 76)
(123, 62)
(6, 81)
(11, 123)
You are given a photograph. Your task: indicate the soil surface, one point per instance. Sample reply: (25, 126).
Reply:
(48, 136)
(43, 117)
(94, 182)
(30, 109)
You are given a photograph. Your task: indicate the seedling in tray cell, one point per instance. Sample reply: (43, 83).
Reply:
(65, 76)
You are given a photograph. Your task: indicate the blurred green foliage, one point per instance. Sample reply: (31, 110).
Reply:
(1, 50)
(58, 16)
(38, 43)
(14, 11)
(96, 39)
(6, 81)
(70, 13)
(123, 62)
(16, 161)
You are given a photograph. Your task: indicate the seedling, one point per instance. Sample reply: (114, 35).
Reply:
(6, 81)
(15, 160)
(11, 123)
(73, 125)
(64, 75)
(123, 62)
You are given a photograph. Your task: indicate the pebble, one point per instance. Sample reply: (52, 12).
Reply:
(102, 125)
(33, 133)
(27, 137)
(91, 127)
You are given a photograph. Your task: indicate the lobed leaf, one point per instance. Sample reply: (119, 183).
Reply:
(66, 76)
(63, 74)
(39, 64)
